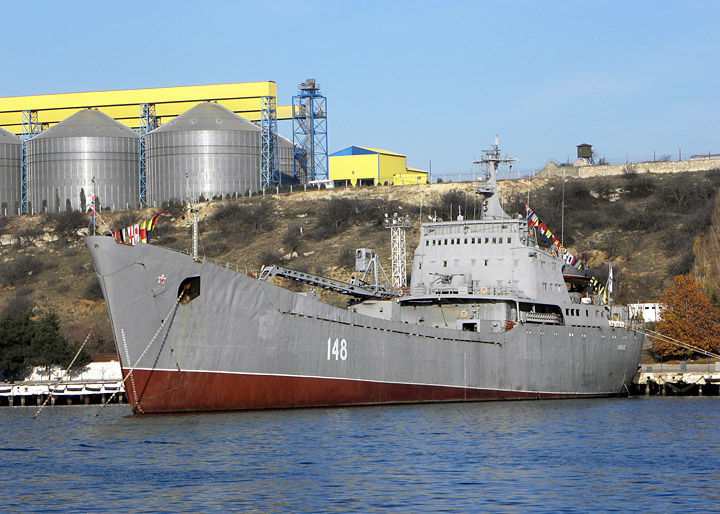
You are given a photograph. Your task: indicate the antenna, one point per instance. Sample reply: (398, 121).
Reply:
(491, 160)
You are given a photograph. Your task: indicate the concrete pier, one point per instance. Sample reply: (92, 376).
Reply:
(34, 394)
(678, 380)
(93, 384)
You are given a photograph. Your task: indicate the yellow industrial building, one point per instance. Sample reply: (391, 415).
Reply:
(371, 166)
(244, 99)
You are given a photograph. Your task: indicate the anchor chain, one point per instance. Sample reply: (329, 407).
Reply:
(132, 369)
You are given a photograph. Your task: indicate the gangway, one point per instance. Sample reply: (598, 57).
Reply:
(338, 286)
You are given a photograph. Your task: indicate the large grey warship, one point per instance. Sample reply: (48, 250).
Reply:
(488, 315)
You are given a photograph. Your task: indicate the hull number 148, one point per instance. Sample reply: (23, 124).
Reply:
(338, 348)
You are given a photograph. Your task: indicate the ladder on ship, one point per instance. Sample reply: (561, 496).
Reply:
(338, 286)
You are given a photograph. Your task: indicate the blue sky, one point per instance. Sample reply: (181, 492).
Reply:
(432, 80)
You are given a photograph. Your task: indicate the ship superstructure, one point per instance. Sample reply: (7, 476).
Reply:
(488, 314)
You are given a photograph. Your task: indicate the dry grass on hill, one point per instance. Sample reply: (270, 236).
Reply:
(650, 227)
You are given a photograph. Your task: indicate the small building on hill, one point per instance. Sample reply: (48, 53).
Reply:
(649, 312)
(370, 166)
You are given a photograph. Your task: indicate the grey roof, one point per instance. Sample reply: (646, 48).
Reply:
(284, 142)
(208, 116)
(8, 138)
(88, 123)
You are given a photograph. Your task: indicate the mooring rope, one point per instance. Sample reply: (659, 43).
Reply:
(62, 377)
(686, 346)
(132, 369)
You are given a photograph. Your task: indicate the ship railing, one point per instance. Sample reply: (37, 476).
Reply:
(419, 290)
(239, 268)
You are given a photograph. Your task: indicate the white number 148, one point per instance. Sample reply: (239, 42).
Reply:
(338, 348)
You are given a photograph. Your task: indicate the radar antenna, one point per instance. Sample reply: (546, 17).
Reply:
(491, 160)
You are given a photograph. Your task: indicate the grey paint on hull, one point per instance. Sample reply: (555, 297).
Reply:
(242, 325)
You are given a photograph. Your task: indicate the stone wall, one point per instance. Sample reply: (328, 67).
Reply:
(581, 170)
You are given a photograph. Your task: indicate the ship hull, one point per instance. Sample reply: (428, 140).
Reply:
(173, 391)
(243, 343)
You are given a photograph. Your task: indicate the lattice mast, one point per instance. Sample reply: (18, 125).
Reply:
(310, 155)
(148, 122)
(269, 170)
(31, 127)
(398, 225)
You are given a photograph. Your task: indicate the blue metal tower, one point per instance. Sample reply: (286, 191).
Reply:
(269, 171)
(148, 122)
(30, 128)
(310, 156)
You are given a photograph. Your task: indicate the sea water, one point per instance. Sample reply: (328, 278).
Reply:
(609, 455)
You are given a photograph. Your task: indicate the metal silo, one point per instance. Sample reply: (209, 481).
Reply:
(285, 158)
(207, 151)
(10, 172)
(62, 161)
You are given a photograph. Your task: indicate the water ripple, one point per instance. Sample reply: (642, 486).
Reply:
(645, 454)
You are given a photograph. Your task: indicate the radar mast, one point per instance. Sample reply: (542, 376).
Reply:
(491, 160)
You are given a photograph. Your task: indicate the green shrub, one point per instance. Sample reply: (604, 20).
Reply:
(270, 258)
(448, 205)
(69, 222)
(639, 185)
(25, 342)
(93, 291)
(19, 270)
(232, 219)
(347, 257)
(292, 238)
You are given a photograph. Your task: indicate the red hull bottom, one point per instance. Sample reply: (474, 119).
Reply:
(173, 391)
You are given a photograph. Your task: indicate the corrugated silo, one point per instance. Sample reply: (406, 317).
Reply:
(10, 172)
(207, 151)
(62, 161)
(285, 158)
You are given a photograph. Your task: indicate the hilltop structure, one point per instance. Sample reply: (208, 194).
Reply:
(371, 166)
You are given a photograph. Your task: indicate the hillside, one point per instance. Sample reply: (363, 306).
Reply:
(651, 227)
